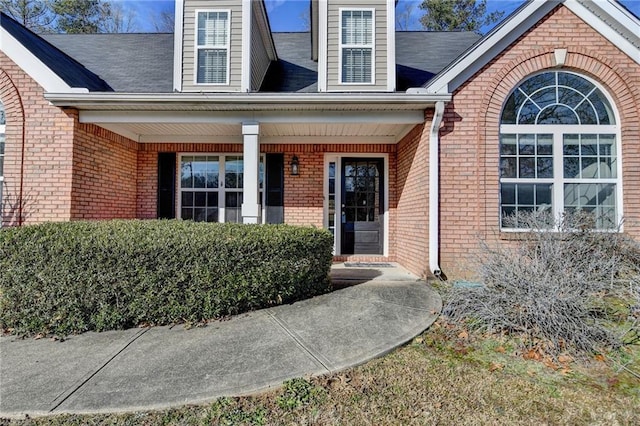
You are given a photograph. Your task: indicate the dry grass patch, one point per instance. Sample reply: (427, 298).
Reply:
(442, 377)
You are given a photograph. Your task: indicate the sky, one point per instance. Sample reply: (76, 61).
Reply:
(288, 15)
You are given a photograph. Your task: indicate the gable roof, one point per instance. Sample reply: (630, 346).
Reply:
(146, 68)
(70, 71)
(608, 17)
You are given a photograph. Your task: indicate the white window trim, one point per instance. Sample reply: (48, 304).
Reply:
(337, 158)
(558, 165)
(558, 180)
(227, 46)
(221, 189)
(357, 46)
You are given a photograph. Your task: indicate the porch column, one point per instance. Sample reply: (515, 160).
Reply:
(251, 160)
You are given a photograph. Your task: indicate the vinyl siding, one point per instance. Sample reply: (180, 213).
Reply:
(380, 47)
(189, 45)
(259, 59)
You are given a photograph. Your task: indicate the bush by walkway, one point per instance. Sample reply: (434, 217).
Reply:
(62, 278)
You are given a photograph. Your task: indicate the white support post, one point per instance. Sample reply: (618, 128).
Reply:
(251, 160)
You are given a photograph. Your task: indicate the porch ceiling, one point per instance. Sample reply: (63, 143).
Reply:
(281, 127)
(269, 133)
(218, 118)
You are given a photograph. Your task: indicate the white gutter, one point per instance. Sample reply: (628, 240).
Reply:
(252, 100)
(434, 189)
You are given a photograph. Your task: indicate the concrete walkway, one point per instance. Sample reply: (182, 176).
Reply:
(378, 310)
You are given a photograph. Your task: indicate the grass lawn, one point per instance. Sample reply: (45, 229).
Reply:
(444, 376)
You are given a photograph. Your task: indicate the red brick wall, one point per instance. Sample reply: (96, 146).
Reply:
(412, 228)
(69, 170)
(48, 151)
(304, 194)
(104, 174)
(469, 138)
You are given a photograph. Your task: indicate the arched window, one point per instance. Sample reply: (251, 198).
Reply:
(559, 150)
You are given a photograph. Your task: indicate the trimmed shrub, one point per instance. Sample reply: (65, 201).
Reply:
(564, 290)
(62, 278)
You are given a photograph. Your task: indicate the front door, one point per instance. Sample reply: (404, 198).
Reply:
(362, 206)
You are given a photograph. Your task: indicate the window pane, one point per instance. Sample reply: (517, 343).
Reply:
(569, 97)
(557, 114)
(588, 145)
(589, 167)
(545, 167)
(596, 198)
(523, 198)
(545, 145)
(199, 172)
(187, 199)
(538, 81)
(511, 107)
(186, 172)
(525, 194)
(571, 145)
(508, 145)
(508, 167)
(232, 207)
(200, 199)
(356, 65)
(578, 83)
(528, 113)
(586, 113)
(544, 97)
(527, 167)
(212, 66)
(508, 193)
(212, 28)
(357, 27)
(602, 107)
(527, 144)
(233, 172)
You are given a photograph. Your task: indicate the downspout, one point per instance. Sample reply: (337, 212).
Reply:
(434, 189)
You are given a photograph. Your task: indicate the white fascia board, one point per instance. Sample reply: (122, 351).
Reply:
(265, 29)
(178, 44)
(489, 47)
(29, 63)
(291, 117)
(494, 43)
(391, 46)
(266, 101)
(323, 30)
(245, 78)
(614, 12)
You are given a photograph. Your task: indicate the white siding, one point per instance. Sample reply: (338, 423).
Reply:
(380, 48)
(189, 43)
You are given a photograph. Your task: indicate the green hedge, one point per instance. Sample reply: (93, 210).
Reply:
(62, 278)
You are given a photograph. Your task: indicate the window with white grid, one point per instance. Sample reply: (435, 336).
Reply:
(356, 46)
(212, 47)
(559, 151)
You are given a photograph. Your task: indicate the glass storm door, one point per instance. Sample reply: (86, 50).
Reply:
(362, 206)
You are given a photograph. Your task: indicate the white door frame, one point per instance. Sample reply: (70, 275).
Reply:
(337, 159)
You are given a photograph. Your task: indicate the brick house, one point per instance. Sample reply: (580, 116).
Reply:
(408, 146)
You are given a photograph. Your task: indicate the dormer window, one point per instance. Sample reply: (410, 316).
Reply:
(212, 47)
(356, 46)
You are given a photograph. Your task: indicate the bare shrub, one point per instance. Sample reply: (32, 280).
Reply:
(553, 288)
